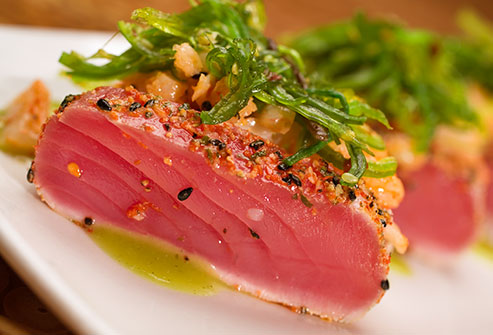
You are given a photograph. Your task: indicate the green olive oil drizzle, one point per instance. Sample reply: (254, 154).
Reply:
(399, 264)
(153, 259)
(485, 249)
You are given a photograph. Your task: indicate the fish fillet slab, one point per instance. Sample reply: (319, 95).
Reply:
(294, 237)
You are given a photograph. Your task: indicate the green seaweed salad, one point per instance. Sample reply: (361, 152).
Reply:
(412, 75)
(473, 51)
(231, 35)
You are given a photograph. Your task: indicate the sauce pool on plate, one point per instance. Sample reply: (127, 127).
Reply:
(156, 261)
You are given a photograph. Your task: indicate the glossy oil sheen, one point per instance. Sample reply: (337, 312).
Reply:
(485, 249)
(156, 261)
(398, 263)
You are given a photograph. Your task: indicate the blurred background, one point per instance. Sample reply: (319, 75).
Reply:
(283, 15)
(21, 312)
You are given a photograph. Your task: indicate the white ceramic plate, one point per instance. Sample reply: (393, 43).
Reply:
(94, 295)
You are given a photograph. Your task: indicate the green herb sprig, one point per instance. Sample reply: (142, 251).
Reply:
(473, 52)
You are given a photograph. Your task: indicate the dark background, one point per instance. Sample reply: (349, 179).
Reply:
(284, 15)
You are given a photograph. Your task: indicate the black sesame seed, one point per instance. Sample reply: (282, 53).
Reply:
(384, 284)
(206, 106)
(261, 153)
(287, 179)
(103, 104)
(217, 143)
(278, 153)
(197, 75)
(283, 167)
(383, 222)
(88, 221)
(185, 193)
(336, 180)
(148, 115)
(256, 144)
(166, 126)
(295, 180)
(150, 103)
(254, 234)
(379, 211)
(324, 172)
(351, 195)
(30, 174)
(68, 99)
(372, 204)
(194, 135)
(134, 106)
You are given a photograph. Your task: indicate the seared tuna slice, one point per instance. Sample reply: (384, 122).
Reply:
(440, 213)
(443, 207)
(489, 200)
(293, 236)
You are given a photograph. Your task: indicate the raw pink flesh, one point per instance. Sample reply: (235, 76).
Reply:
(329, 263)
(438, 211)
(489, 199)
